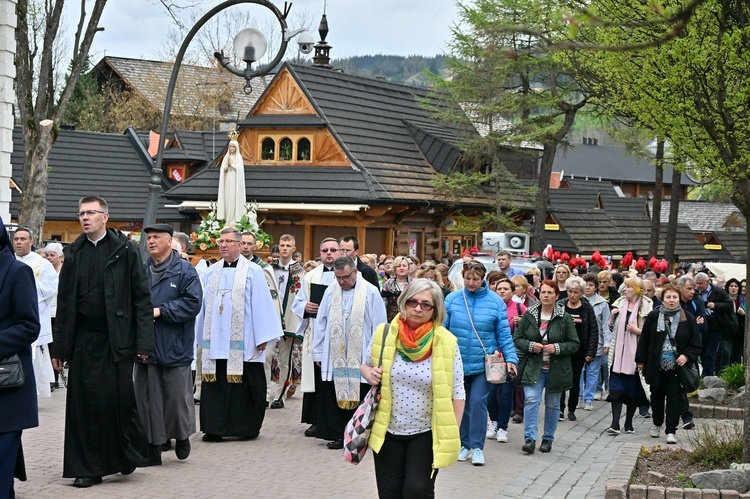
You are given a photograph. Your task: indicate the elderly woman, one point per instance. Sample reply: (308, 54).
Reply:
(605, 288)
(562, 272)
(415, 431)
(53, 252)
(523, 290)
(587, 329)
(478, 318)
(429, 271)
(500, 401)
(596, 373)
(393, 287)
(670, 338)
(547, 337)
(629, 313)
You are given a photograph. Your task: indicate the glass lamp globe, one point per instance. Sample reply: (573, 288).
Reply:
(250, 45)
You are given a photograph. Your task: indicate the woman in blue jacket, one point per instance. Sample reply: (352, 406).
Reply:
(477, 317)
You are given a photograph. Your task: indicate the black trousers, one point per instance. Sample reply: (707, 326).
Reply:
(669, 389)
(577, 361)
(404, 465)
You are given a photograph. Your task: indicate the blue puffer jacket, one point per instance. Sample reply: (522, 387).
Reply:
(491, 321)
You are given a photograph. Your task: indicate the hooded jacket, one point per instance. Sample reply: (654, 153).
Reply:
(491, 321)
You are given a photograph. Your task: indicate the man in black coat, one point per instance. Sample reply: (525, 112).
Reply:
(350, 247)
(104, 321)
(19, 327)
(721, 322)
(694, 306)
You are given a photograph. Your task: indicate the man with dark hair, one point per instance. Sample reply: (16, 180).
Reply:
(104, 321)
(350, 311)
(306, 311)
(236, 328)
(164, 382)
(350, 247)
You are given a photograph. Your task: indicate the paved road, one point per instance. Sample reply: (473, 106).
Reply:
(283, 463)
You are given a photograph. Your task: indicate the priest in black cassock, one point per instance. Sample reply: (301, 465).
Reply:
(104, 323)
(237, 322)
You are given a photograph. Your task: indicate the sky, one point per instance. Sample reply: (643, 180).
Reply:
(137, 28)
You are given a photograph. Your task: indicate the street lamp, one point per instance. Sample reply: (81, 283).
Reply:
(249, 45)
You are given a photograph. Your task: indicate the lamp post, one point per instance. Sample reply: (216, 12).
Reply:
(250, 45)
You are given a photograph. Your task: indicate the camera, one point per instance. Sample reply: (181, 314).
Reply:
(305, 42)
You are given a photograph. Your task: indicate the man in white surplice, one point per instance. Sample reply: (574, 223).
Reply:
(46, 289)
(306, 310)
(348, 315)
(237, 324)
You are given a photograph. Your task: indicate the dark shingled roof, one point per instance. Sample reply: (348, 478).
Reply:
(200, 147)
(601, 162)
(591, 230)
(107, 165)
(701, 216)
(590, 194)
(734, 242)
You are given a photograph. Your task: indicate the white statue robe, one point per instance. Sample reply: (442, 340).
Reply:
(305, 325)
(374, 315)
(46, 291)
(261, 324)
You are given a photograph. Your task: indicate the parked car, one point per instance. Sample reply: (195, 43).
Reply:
(521, 264)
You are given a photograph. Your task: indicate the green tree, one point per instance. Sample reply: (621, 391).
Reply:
(506, 86)
(86, 108)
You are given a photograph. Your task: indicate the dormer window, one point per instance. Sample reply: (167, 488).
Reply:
(285, 148)
(303, 149)
(268, 149)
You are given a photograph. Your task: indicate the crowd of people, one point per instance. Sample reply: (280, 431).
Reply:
(144, 342)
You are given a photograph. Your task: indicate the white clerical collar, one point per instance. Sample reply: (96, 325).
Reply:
(26, 256)
(97, 241)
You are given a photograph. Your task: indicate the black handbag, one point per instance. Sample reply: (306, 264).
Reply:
(689, 377)
(11, 372)
(516, 380)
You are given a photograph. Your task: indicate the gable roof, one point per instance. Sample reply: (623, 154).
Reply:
(702, 216)
(196, 86)
(590, 194)
(112, 166)
(734, 242)
(390, 140)
(603, 162)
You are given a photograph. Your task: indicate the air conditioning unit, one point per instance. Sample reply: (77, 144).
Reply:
(516, 243)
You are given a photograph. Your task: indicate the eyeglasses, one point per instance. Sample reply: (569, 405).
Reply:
(344, 278)
(428, 267)
(561, 272)
(474, 265)
(89, 213)
(329, 250)
(227, 241)
(424, 305)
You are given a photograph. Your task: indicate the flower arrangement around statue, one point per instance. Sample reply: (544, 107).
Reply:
(210, 227)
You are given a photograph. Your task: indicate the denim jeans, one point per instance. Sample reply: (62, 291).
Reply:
(474, 422)
(500, 403)
(533, 394)
(603, 384)
(591, 371)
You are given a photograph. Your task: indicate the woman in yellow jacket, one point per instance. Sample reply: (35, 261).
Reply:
(415, 431)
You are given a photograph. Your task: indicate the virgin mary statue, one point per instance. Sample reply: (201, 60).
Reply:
(231, 204)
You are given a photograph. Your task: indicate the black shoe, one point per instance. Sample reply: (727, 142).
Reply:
(167, 446)
(210, 437)
(546, 446)
(128, 471)
(562, 416)
(688, 424)
(336, 444)
(571, 416)
(311, 431)
(52, 387)
(277, 404)
(87, 481)
(153, 458)
(529, 446)
(182, 448)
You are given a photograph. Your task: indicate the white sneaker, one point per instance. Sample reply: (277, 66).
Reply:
(477, 457)
(589, 406)
(502, 436)
(598, 396)
(671, 439)
(491, 429)
(463, 454)
(655, 430)
(580, 404)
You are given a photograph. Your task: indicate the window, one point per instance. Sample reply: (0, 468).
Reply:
(303, 149)
(286, 149)
(268, 149)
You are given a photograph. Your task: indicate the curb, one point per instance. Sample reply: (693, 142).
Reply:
(716, 411)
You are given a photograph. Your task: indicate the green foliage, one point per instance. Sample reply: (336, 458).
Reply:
(734, 374)
(409, 70)
(716, 445)
(86, 107)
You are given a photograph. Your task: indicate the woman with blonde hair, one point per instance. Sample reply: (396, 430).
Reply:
(605, 288)
(523, 290)
(625, 388)
(394, 286)
(562, 272)
(415, 432)
(429, 271)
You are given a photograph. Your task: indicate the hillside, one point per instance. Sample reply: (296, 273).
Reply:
(394, 68)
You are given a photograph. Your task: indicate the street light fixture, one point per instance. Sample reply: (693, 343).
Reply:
(249, 45)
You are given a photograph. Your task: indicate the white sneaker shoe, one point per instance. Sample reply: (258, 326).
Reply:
(491, 429)
(671, 439)
(580, 404)
(655, 430)
(598, 396)
(477, 457)
(589, 406)
(502, 436)
(463, 454)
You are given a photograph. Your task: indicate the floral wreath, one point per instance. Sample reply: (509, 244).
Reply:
(210, 228)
